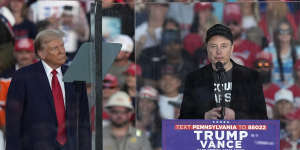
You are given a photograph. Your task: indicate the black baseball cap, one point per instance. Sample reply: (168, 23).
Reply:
(219, 29)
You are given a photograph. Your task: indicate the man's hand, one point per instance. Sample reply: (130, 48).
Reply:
(229, 114)
(215, 113)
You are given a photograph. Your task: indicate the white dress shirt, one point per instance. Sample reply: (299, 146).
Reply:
(59, 75)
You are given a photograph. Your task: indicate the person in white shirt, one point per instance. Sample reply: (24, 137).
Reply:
(169, 84)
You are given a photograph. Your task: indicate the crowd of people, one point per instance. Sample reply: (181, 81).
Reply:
(161, 43)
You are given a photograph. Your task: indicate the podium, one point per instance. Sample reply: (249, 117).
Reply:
(188, 134)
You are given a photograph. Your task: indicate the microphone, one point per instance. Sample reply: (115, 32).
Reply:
(221, 73)
(220, 67)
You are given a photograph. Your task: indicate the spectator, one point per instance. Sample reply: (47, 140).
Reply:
(169, 52)
(250, 19)
(110, 86)
(2, 139)
(120, 134)
(6, 44)
(23, 28)
(122, 61)
(75, 32)
(43, 25)
(4, 85)
(24, 54)
(148, 118)
(293, 128)
(123, 12)
(132, 73)
(169, 24)
(182, 12)
(250, 14)
(274, 13)
(176, 105)
(170, 83)
(203, 19)
(295, 88)
(244, 49)
(284, 101)
(264, 65)
(284, 54)
(148, 34)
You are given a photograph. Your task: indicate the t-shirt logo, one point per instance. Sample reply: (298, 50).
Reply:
(227, 88)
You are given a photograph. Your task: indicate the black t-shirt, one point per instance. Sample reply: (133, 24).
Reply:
(227, 86)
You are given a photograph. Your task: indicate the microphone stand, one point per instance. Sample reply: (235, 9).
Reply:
(221, 78)
(221, 74)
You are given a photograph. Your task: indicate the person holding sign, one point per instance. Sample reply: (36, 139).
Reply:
(222, 89)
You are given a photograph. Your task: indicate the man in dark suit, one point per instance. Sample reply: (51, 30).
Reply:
(240, 89)
(43, 112)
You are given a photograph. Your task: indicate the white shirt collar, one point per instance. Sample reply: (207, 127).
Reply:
(48, 69)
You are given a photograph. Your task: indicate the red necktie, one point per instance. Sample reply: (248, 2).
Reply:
(60, 109)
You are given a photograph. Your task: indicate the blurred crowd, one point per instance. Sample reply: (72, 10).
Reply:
(161, 43)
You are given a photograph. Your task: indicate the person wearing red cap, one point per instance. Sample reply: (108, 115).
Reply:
(133, 72)
(203, 19)
(110, 86)
(292, 141)
(264, 65)
(243, 48)
(295, 88)
(24, 55)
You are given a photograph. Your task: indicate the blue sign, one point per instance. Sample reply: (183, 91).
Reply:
(220, 134)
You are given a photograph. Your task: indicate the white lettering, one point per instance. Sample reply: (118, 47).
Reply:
(228, 144)
(238, 144)
(198, 134)
(220, 137)
(232, 134)
(208, 135)
(203, 143)
(243, 134)
(211, 145)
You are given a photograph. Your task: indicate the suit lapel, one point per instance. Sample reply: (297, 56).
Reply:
(45, 86)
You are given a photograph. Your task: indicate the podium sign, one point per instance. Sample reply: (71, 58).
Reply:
(220, 134)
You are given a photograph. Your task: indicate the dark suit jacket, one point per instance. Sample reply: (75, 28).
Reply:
(247, 98)
(31, 119)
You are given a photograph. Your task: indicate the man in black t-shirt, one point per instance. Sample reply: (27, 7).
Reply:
(226, 86)
(240, 87)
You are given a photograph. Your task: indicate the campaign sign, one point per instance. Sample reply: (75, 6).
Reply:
(220, 134)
